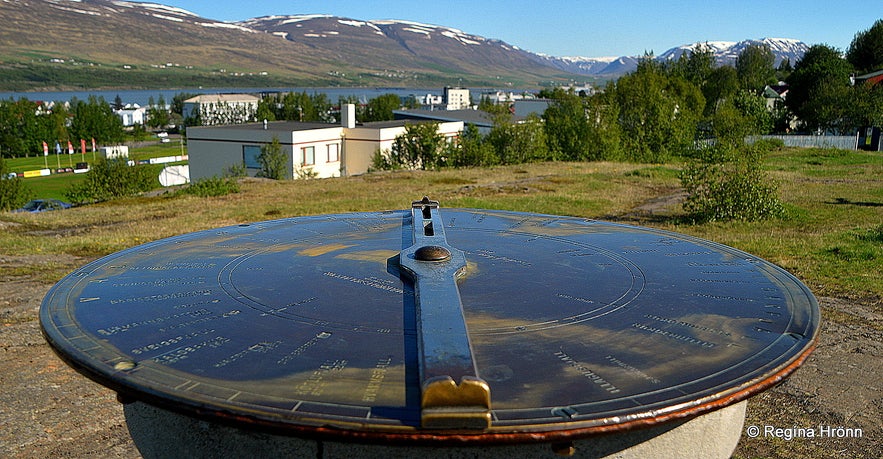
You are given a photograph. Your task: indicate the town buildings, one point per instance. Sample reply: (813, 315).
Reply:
(316, 150)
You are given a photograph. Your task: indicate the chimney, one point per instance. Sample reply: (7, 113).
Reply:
(348, 116)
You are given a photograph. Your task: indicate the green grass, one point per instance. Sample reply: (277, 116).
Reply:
(55, 185)
(830, 237)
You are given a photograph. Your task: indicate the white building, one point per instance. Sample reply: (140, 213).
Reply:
(457, 98)
(312, 149)
(218, 109)
(132, 115)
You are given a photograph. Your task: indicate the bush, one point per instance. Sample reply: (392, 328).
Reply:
(112, 178)
(13, 191)
(769, 144)
(726, 184)
(213, 186)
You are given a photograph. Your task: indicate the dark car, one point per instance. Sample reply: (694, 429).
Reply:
(43, 205)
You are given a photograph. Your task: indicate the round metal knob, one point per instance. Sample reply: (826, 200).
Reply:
(432, 253)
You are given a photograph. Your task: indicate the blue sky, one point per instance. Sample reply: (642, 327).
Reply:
(590, 28)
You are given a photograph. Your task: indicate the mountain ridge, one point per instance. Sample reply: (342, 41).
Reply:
(122, 38)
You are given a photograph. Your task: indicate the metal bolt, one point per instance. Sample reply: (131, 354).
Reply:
(432, 253)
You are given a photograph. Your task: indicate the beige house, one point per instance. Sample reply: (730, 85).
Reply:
(217, 109)
(313, 149)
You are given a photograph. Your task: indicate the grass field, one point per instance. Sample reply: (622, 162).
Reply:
(831, 237)
(55, 185)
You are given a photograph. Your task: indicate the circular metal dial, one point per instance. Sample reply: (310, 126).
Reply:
(307, 324)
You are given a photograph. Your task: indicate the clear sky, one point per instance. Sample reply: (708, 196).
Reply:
(589, 28)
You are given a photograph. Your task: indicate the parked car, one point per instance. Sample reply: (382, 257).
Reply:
(43, 205)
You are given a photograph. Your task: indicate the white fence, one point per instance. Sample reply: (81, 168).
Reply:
(846, 142)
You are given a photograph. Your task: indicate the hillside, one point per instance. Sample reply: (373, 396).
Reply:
(78, 44)
(92, 43)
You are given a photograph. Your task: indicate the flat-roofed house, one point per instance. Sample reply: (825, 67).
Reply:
(317, 150)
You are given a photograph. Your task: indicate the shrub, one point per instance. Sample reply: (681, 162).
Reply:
(112, 178)
(13, 191)
(214, 186)
(727, 184)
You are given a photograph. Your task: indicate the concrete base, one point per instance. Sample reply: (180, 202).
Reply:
(162, 434)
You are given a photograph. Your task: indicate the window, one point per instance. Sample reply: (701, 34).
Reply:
(309, 156)
(333, 153)
(250, 155)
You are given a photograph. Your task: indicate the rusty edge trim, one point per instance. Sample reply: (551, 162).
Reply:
(321, 431)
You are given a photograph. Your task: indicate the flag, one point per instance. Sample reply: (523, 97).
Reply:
(93, 145)
(83, 146)
(45, 149)
(70, 148)
(57, 148)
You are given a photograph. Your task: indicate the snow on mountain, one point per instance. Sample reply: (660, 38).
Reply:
(725, 53)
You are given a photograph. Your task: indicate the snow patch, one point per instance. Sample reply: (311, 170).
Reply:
(420, 31)
(74, 10)
(352, 22)
(157, 7)
(226, 25)
(168, 18)
(460, 38)
(306, 17)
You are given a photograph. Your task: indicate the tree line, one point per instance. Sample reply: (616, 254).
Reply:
(664, 110)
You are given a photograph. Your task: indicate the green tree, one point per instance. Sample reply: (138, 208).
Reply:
(56, 123)
(95, 119)
(755, 67)
(658, 113)
(865, 53)
(472, 150)
(158, 116)
(567, 128)
(177, 106)
(380, 108)
(695, 66)
(273, 161)
(865, 107)
(13, 191)
(819, 89)
(22, 131)
(112, 178)
(265, 110)
(723, 83)
(296, 106)
(420, 146)
(516, 143)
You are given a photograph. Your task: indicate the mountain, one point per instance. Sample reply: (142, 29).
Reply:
(74, 44)
(725, 53)
(403, 47)
(51, 43)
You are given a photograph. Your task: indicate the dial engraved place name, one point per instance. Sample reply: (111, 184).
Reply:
(674, 336)
(303, 347)
(262, 347)
(162, 297)
(586, 372)
(375, 380)
(632, 370)
(169, 342)
(374, 282)
(316, 382)
(490, 255)
(184, 352)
